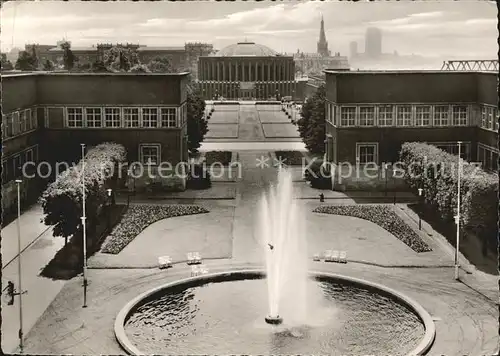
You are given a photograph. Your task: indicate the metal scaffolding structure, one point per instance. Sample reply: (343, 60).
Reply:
(489, 65)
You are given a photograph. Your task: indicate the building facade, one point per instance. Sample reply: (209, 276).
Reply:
(371, 114)
(247, 71)
(47, 115)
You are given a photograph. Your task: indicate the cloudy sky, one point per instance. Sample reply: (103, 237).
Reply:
(452, 29)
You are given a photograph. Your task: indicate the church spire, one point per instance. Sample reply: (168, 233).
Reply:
(322, 43)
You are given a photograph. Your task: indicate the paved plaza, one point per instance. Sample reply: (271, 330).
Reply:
(465, 312)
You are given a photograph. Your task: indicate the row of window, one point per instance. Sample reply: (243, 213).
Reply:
(489, 117)
(367, 152)
(12, 165)
(398, 115)
(127, 117)
(18, 122)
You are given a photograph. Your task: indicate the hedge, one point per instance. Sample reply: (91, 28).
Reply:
(62, 200)
(435, 171)
(383, 216)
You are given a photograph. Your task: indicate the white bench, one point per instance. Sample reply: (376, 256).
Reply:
(316, 257)
(335, 256)
(328, 256)
(343, 257)
(193, 258)
(164, 262)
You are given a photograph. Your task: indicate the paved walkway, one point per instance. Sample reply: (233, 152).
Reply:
(39, 247)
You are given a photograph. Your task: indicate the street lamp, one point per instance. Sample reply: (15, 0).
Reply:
(84, 227)
(420, 191)
(386, 167)
(21, 346)
(110, 198)
(393, 179)
(457, 217)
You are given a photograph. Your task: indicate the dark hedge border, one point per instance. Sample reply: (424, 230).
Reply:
(222, 157)
(139, 217)
(383, 216)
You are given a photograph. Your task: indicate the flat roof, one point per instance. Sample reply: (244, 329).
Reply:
(24, 74)
(404, 71)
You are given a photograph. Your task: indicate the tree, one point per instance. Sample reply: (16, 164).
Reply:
(120, 59)
(311, 125)
(197, 124)
(160, 65)
(26, 61)
(62, 200)
(6, 64)
(68, 56)
(48, 65)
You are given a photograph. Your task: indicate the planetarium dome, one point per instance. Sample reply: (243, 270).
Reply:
(246, 49)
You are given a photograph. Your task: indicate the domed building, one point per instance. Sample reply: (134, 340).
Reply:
(246, 71)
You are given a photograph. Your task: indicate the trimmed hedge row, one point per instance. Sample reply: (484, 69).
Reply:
(139, 217)
(436, 172)
(290, 158)
(383, 216)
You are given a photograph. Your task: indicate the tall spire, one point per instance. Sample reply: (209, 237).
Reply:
(322, 43)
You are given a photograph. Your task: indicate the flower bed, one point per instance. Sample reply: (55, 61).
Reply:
(383, 216)
(290, 158)
(219, 157)
(139, 217)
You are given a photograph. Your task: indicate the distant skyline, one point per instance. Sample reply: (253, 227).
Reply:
(439, 29)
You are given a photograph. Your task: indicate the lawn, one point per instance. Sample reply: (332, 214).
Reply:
(139, 217)
(383, 216)
(290, 158)
(219, 157)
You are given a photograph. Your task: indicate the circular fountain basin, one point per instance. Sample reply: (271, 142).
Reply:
(224, 313)
(273, 320)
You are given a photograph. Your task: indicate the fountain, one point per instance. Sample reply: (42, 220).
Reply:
(307, 312)
(282, 231)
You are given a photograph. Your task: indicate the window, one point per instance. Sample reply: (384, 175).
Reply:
(495, 120)
(452, 148)
(460, 115)
(4, 126)
(366, 153)
(484, 117)
(441, 113)
(490, 119)
(366, 116)
(488, 156)
(422, 115)
(150, 154)
(29, 156)
(348, 116)
(131, 116)
(34, 118)
(150, 117)
(28, 120)
(168, 118)
(385, 115)
(17, 166)
(22, 121)
(94, 117)
(403, 115)
(15, 123)
(112, 117)
(9, 127)
(75, 117)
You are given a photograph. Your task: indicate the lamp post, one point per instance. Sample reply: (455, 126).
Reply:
(386, 167)
(457, 217)
(420, 191)
(110, 198)
(84, 229)
(394, 196)
(21, 345)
